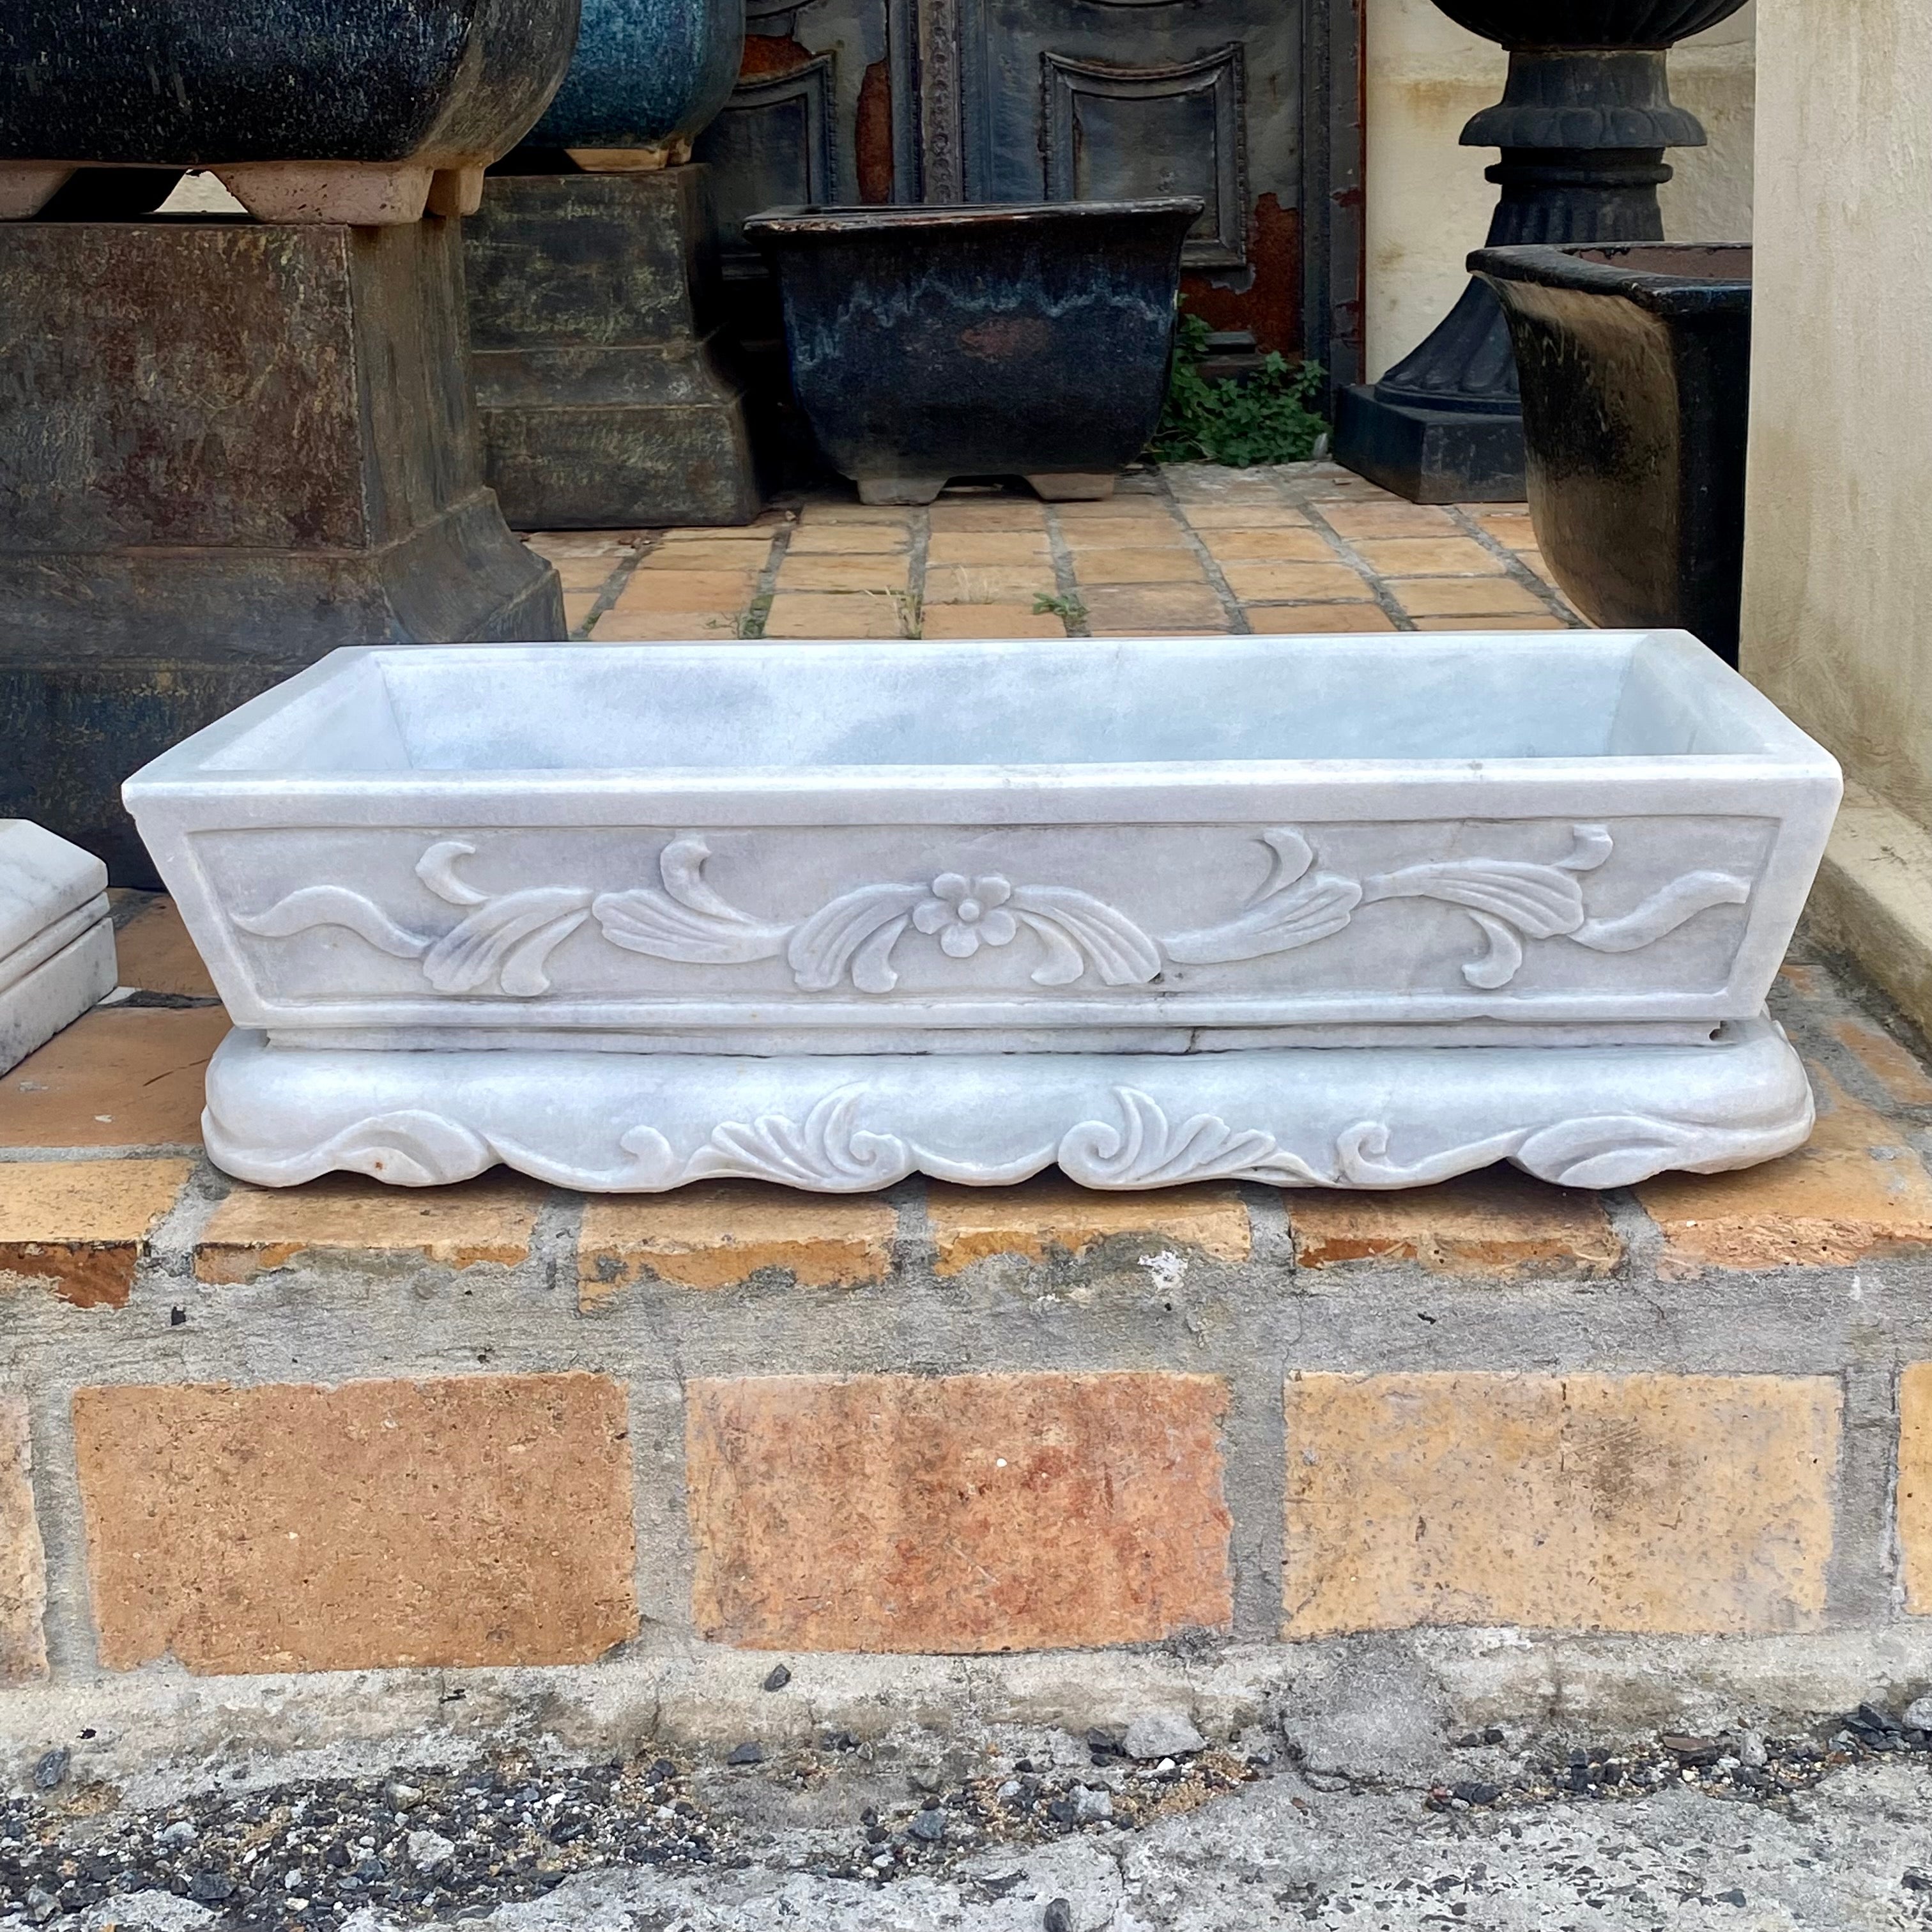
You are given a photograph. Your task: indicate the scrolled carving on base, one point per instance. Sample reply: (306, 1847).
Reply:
(853, 1126)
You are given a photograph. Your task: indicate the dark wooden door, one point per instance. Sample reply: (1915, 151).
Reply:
(1254, 105)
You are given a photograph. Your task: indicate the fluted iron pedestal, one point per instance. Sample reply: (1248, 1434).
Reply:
(1582, 135)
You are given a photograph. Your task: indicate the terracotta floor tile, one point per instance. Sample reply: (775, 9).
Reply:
(709, 556)
(988, 582)
(762, 532)
(1293, 543)
(829, 613)
(1390, 517)
(1465, 597)
(1244, 516)
(1512, 620)
(1315, 583)
(1428, 556)
(584, 573)
(686, 590)
(155, 953)
(1005, 547)
(848, 539)
(1512, 527)
(117, 1077)
(615, 544)
(828, 511)
(995, 514)
(665, 627)
(1150, 565)
(577, 606)
(1122, 533)
(1110, 509)
(990, 620)
(1292, 620)
(1132, 609)
(853, 571)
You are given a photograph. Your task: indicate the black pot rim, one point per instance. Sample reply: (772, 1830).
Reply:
(1565, 266)
(833, 221)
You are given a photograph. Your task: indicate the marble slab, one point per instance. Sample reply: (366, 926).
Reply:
(56, 937)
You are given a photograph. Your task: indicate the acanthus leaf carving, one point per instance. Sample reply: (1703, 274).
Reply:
(504, 940)
(1145, 1150)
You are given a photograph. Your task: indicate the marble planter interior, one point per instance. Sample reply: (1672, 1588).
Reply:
(56, 937)
(1333, 911)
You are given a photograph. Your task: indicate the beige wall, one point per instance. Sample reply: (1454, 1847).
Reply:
(1837, 621)
(1428, 204)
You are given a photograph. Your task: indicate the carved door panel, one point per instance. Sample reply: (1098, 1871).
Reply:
(1106, 100)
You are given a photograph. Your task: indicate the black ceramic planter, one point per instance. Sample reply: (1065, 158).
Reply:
(334, 110)
(1024, 340)
(1583, 124)
(1635, 367)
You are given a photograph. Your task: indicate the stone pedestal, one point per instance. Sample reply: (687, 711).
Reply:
(232, 448)
(603, 402)
(56, 937)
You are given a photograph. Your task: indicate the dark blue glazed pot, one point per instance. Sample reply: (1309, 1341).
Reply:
(646, 73)
(430, 83)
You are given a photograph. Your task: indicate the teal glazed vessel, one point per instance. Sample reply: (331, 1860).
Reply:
(646, 73)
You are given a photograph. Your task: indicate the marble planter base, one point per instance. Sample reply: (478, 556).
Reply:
(1310, 1117)
(232, 448)
(56, 937)
(603, 400)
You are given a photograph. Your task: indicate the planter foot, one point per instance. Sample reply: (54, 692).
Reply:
(27, 186)
(1074, 486)
(1392, 1117)
(455, 191)
(358, 194)
(911, 490)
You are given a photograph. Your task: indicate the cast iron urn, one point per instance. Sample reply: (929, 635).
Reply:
(1582, 125)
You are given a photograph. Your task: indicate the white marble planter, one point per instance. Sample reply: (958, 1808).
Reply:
(1049, 864)
(56, 938)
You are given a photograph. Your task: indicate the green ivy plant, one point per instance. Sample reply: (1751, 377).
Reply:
(1266, 419)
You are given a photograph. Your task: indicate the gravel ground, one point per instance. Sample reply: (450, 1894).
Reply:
(1149, 1828)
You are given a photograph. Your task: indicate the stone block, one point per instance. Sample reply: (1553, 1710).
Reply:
(834, 613)
(1154, 610)
(1291, 543)
(964, 1513)
(1856, 1189)
(857, 570)
(1175, 564)
(56, 937)
(988, 620)
(983, 547)
(481, 1519)
(1499, 1222)
(1049, 1215)
(1663, 1504)
(256, 1229)
(237, 446)
(1019, 582)
(23, 1574)
(80, 1227)
(602, 396)
(715, 1233)
(1295, 620)
(117, 1077)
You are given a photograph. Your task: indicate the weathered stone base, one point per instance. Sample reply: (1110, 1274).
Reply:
(236, 447)
(604, 403)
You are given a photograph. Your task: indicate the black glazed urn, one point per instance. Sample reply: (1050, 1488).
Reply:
(434, 85)
(1635, 365)
(1019, 339)
(1583, 122)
